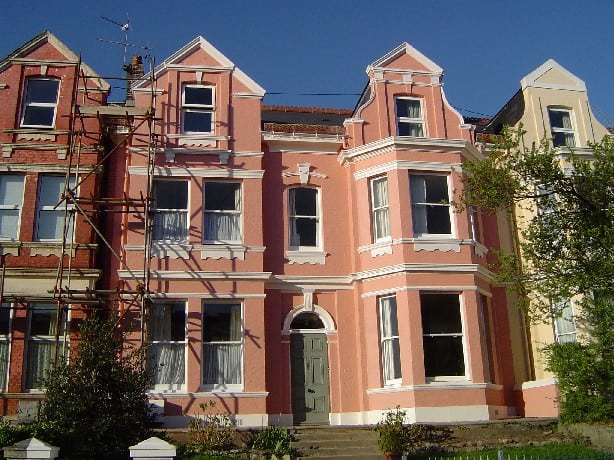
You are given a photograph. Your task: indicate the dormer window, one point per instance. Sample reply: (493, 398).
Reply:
(40, 103)
(410, 118)
(197, 106)
(561, 127)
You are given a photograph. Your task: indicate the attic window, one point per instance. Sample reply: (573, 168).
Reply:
(410, 119)
(40, 103)
(197, 106)
(561, 127)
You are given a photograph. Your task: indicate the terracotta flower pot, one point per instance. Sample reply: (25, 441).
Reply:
(391, 456)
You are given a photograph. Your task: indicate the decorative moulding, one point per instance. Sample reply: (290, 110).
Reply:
(306, 257)
(49, 249)
(222, 251)
(431, 244)
(171, 171)
(480, 249)
(25, 135)
(10, 248)
(163, 250)
(377, 249)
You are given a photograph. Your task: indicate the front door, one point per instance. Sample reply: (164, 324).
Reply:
(310, 392)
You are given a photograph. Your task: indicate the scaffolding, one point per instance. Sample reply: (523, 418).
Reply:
(123, 121)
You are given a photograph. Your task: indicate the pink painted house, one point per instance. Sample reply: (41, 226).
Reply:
(306, 265)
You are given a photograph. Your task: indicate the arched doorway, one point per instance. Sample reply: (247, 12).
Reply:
(309, 369)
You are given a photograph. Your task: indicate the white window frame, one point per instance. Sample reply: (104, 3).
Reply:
(380, 212)
(34, 104)
(416, 205)
(292, 217)
(169, 386)
(10, 208)
(388, 340)
(564, 316)
(236, 213)
(159, 213)
(50, 206)
(402, 119)
(187, 108)
(461, 334)
(235, 386)
(561, 129)
(49, 339)
(5, 344)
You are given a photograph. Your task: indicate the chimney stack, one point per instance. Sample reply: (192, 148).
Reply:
(134, 71)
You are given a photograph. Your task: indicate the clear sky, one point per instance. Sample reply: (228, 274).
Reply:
(323, 46)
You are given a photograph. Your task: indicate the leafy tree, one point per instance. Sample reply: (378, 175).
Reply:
(562, 206)
(97, 404)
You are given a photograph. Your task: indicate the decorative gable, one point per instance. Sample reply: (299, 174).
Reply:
(552, 75)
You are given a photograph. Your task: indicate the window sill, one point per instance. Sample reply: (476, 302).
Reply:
(432, 243)
(162, 250)
(220, 388)
(197, 139)
(168, 388)
(306, 257)
(378, 248)
(50, 248)
(9, 247)
(222, 251)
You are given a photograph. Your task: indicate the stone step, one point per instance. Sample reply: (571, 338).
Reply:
(325, 443)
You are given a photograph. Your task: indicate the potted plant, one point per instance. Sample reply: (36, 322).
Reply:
(392, 434)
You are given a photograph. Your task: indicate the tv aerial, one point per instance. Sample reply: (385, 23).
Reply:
(125, 28)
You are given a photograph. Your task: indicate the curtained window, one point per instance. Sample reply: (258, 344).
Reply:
(197, 108)
(564, 322)
(11, 198)
(40, 354)
(167, 342)
(561, 127)
(304, 217)
(442, 335)
(40, 102)
(170, 210)
(222, 202)
(410, 121)
(430, 204)
(5, 341)
(380, 212)
(50, 215)
(389, 338)
(222, 358)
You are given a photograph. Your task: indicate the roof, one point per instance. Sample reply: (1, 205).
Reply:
(48, 37)
(314, 120)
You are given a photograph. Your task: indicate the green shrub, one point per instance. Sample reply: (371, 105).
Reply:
(273, 440)
(211, 431)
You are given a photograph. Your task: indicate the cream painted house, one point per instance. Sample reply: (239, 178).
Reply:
(552, 104)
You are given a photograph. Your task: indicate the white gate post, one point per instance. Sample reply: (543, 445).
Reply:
(31, 448)
(153, 448)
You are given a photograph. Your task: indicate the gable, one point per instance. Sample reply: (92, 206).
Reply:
(405, 57)
(201, 56)
(552, 75)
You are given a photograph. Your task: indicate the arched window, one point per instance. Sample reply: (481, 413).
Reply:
(307, 320)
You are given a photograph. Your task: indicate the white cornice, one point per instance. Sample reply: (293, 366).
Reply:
(201, 68)
(42, 168)
(396, 289)
(196, 275)
(388, 144)
(406, 164)
(198, 172)
(291, 283)
(530, 80)
(416, 267)
(404, 48)
(206, 295)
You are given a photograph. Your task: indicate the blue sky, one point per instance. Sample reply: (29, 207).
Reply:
(324, 46)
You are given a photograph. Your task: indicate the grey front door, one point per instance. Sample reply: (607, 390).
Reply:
(310, 392)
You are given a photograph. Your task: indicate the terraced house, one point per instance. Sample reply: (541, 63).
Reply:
(294, 264)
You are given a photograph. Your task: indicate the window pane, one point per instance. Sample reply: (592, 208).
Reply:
(438, 219)
(436, 189)
(50, 189)
(221, 323)
(305, 232)
(409, 108)
(222, 196)
(171, 194)
(11, 190)
(305, 201)
(443, 356)
(391, 359)
(50, 225)
(43, 319)
(9, 221)
(166, 363)
(167, 322)
(170, 225)
(440, 313)
(411, 129)
(197, 121)
(42, 91)
(5, 317)
(307, 321)
(198, 95)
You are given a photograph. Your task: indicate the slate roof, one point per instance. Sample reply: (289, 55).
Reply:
(315, 120)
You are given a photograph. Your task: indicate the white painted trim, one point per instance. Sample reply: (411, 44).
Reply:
(306, 257)
(529, 80)
(199, 295)
(291, 283)
(176, 171)
(405, 48)
(208, 394)
(163, 250)
(222, 251)
(42, 168)
(406, 164)
(196, 275)
(537, 384)
(397, 289)
(417, 267)
(327, 319)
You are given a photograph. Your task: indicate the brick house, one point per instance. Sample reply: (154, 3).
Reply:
(46, 152)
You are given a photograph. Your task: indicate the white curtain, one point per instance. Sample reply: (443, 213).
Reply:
(40, 357)
(564, 321)
(167, 363)
(381, 218)
(221, 226)
(170, 225)
(391, 362)
(417, 186)
(223, 362)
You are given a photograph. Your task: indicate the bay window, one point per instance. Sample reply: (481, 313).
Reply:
(430, 204)
(389, 338)
(380, 213)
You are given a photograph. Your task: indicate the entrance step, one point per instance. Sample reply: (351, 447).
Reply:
(329, 443)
